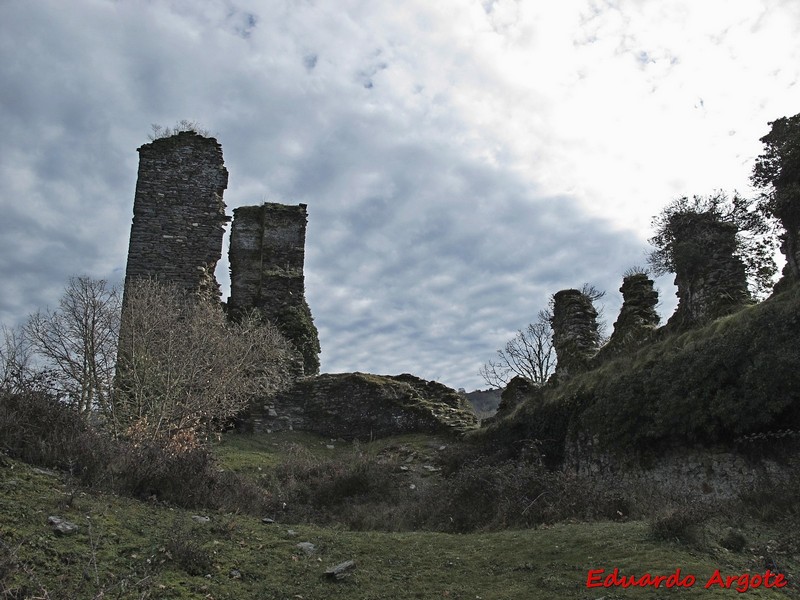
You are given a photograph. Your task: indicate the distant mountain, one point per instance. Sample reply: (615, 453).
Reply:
(484, 402)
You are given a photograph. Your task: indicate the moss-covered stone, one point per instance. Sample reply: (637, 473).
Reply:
(266, 255)
(637, 319)
(363, 406)
(716, 384)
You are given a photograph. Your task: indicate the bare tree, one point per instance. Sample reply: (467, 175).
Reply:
(77, 341)
(16, 369)
(528, 354)
(184, 369)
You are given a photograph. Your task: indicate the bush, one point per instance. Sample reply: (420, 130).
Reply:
(681, 523)
(307, 488)
(38, 429)
(186, 551)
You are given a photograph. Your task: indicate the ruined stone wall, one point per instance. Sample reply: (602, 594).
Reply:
(364, 406)
(711, 280)
(637, 319)
(178, 212)
(575, 335)
(267, 252)
(689, 472)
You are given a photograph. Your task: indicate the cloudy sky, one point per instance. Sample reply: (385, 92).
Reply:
(461, 159)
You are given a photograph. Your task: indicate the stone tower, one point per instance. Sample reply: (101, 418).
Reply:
(575, 335)
(638, 318)
(178, 212)
(710, 278)
(267, 252)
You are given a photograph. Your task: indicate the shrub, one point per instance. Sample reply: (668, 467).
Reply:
(733, 540)
(682, 523)
(35, 427)
(307, 488)
(184, 370)
(186, 551)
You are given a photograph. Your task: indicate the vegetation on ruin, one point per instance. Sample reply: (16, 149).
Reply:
(733, 378)
(685, 234)
(165, 509)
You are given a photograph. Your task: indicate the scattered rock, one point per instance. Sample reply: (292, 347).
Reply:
(62, 526)
(268, 521)
(235, 574)
(341, 570)
(307, 547)
(291, 533)
(200, 519)
(44, 472)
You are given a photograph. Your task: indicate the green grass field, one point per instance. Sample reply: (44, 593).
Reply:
(127, 548)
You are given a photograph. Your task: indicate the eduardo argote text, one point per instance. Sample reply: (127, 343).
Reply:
(741, 583)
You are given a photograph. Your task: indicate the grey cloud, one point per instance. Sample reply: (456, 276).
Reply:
(420, 256)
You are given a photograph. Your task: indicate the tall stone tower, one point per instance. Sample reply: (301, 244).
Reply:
(710, 278)
(637, 319)
(178, 212)
(267, 252)
(575, 336)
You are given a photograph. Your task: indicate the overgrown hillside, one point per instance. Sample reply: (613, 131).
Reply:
(732, 382)
(133, 549)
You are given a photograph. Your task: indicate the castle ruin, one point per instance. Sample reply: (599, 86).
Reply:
(710, 278)
(176, 237)
(637, 318)
(266, 256)
(575, 335)
(178, 213)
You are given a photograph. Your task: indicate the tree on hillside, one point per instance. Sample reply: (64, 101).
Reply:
(184, 370)
(77, 341)
(17, 373)
(686, 234)
(528, 354)
(777, 174)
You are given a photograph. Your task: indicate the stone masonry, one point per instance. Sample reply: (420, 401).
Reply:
(710, 278)
(637, 319)
(178, 212)
(575, 336)
(364, 406)
(267, 252)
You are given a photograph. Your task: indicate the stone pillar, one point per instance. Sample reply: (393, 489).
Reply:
(638, 317)
(711, 280)
(266, 255)
(575, 336)
(178, 213)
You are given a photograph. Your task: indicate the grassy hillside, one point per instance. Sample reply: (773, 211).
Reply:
(127, 548)
(736, 378)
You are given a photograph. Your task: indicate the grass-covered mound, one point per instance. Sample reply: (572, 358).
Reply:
(736, 377)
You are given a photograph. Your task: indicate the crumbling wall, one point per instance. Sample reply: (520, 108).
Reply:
(178, 212)
(638, 317)
(575, 335)
(692, 472)
(364, 406)
(710, 278)
(267, 251)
